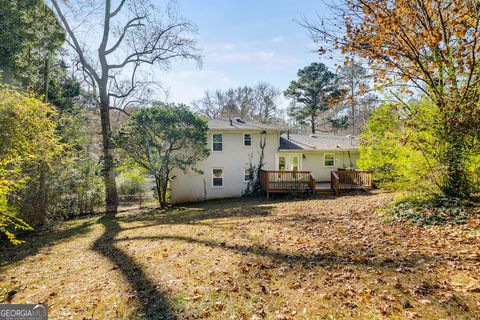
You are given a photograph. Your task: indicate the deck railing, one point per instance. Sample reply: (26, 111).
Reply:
(286, 181)
(351, 180)
(281, 181)
(335, 181)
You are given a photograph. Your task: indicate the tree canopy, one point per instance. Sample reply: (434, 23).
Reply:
(422, 47)
(162, 138)
(27, 134)
(29, 35)
(132, 35)
(315, 91)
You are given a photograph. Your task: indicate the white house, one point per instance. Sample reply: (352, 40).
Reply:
(234, 144)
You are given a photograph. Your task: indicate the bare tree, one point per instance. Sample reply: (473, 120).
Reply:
(249, 103)
(210, 105)
(358, 95)
(133, 34)
(266, 97)
(239, 102)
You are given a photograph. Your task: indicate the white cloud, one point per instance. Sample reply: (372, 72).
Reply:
(278, 39)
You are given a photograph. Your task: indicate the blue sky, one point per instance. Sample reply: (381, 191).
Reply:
(243, 42)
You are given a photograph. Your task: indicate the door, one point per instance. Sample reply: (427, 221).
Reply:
(288, 162)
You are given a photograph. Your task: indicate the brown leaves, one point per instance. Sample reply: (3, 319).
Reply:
(305, 260)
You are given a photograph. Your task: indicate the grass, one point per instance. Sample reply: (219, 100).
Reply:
(327, 258)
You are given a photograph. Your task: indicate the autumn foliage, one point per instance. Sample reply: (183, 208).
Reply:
(27, 135)
(426, 48)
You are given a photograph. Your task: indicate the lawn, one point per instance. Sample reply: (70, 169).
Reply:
(326, 258)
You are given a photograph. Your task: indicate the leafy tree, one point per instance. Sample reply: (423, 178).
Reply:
(27, 135)
(402, 150)
(163, 138)
(338, 122)
(134, 34)
(29, 37)
(313, 92)
(74, 185)
(427, 47)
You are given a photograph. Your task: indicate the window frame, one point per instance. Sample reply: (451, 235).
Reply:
(222, 177)
(213, 142)
(245, 174)
(251, 140)
(324, 159)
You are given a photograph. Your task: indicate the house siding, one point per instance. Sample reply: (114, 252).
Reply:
(313, 161)
(232, 159)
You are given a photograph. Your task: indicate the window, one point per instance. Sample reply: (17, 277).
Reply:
(329, 160)
(282, 163)
(217, 177)
(246, 175)
(217, 142)
(247, 139)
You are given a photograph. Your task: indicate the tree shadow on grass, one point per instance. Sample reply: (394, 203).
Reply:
(35, 242)
(154, 304)
(194, 215)
(326, 258)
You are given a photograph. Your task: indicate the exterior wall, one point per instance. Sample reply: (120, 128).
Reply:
(313, 162)
(233, 159)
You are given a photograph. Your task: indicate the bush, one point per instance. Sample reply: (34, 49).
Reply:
(403, 157)
(27, 138)
(131, 182)
(434, 211)
(73, 180)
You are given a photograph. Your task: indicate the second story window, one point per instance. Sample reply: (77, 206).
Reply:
(217, 142)
(247, 139)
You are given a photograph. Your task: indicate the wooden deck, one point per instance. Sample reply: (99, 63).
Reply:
(302, 181)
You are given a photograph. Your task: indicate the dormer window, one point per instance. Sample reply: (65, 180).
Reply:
(247, 140)
(217, 142)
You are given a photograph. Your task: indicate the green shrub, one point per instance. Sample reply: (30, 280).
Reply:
(434, 211)
(131, 182)
(401, 150)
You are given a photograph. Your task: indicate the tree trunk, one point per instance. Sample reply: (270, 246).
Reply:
(354, 132)
(313, 124)
(111, 197)
(457, 183)
(158, 189)
(40, 205)
(164, 192)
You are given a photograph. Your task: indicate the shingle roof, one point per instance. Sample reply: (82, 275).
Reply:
(238, 124)
(317, 142)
